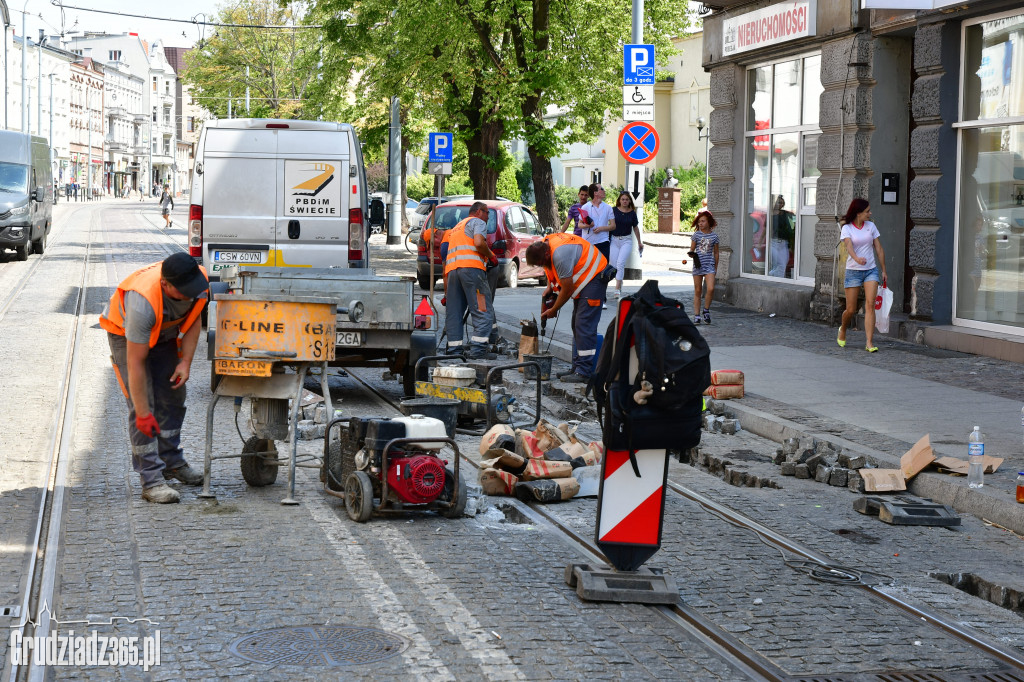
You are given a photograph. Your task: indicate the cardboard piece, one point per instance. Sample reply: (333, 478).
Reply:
(917, 458)
(724, 391)
(497, 458)
(883, 480)
(961, 466)
(495, 482)
(487, 441)
(539, 468)
(721, 377)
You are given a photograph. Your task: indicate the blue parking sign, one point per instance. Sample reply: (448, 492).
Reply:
(440, 148)
(638, 64)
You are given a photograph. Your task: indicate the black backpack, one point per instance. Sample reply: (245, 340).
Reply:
(671, 355)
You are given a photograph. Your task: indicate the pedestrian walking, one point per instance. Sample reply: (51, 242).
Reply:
(578, 271)
(626, 225)
(576, 212)
(152, 324)
(166, 204)
(600, 223)
(465, 284)
(862, 242)
(704, 250)
(783, 235)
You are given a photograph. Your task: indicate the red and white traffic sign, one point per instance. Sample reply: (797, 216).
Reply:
(630, 516)
(639, 142)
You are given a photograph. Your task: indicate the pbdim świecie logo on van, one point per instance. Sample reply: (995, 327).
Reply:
(313, 188)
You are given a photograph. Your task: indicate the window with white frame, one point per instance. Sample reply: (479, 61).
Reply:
(781, 168)
(989, 278)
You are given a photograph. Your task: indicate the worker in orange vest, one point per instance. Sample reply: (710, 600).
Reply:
(152, 323)
(579, 271)
(465, 284)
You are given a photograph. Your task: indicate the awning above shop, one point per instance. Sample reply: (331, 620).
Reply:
(910, 4)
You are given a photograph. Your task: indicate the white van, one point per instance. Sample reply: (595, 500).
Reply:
(278, 193)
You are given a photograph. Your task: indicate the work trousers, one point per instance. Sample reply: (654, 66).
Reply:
(150, 456)
(467, 289)
(586, 314)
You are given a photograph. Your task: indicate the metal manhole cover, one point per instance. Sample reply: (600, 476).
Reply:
(319, 645)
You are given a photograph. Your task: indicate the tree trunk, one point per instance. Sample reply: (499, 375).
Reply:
(486, 131)
(544, 189)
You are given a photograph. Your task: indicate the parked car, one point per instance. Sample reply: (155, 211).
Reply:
(426, 205)
(511, 228)
(26, 193)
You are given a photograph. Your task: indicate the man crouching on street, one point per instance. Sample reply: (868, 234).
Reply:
(152, 324)
(582, 274)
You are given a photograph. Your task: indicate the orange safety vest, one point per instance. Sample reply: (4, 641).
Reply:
(147, 282)
(462, 251)
(591, 263)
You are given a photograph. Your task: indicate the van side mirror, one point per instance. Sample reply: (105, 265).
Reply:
(40, 194)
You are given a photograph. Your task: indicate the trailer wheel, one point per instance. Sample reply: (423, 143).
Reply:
(359, 497)
(256, 470)
(449, 485)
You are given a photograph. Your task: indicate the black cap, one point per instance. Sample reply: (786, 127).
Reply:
(183, 273)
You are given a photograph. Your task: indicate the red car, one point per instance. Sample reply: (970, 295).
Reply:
(511, 227)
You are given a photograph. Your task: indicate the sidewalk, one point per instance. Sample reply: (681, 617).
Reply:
(800, 383)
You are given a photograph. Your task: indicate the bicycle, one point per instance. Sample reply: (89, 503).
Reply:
(411, 237)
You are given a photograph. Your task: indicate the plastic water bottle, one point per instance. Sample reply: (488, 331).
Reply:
(976, 458)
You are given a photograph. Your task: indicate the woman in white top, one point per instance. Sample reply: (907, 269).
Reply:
(862, 269)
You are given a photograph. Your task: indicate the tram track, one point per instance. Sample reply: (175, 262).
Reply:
(36, 603)
(729, 647)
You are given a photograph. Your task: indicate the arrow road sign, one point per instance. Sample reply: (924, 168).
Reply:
(638, 142)
(439, 148)
(635, 182)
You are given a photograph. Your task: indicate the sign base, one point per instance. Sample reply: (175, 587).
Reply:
(603, 583)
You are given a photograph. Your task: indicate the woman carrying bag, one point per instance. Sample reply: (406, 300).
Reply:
(862, 242)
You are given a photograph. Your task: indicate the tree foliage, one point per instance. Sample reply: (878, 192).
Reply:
(281, 63)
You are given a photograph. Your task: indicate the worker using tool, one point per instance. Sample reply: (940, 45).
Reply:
(465, 284)
(152, 329)
(577, 270)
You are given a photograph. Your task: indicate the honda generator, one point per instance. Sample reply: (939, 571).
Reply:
(392, 465)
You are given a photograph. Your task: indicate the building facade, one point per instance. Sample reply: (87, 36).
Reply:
(123, 105)
(920, 112)
(87, 126)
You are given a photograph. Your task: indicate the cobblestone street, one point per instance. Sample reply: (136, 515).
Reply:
(479, 597)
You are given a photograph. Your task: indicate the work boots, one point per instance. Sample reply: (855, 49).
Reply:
(186, 474)
(161, 494)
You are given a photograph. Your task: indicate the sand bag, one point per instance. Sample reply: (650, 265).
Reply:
(496, 482)
(547, 491)
(489, 439)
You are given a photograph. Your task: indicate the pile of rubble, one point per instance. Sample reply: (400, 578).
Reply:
(547, 464)
(821, 461)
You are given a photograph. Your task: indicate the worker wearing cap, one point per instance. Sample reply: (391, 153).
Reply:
(152, 323)
(582, 273)
(465, 284)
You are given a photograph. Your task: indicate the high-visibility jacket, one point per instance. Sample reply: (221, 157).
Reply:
(462, 252)
(591, 263)
(147, 282)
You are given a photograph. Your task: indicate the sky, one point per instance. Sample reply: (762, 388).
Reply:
(174, 34)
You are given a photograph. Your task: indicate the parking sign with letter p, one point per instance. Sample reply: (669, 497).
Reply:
(439, 148)
(638, 64)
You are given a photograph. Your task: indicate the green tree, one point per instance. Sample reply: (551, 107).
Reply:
(281, 62)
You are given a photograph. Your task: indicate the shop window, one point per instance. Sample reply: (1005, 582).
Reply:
(782, 174)
(990, 215)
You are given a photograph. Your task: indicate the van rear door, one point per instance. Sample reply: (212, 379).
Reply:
(240, 186)
(313, 216)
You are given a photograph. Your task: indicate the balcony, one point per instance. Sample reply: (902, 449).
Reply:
(118, 112)
(140, 150)
(116, 145)
(140, 118)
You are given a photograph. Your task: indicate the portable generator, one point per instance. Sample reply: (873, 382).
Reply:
(392, 465)
(476, 384)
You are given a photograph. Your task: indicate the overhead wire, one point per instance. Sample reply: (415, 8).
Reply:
(193, 20)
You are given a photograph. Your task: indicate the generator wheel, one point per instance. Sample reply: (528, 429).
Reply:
(340, 461)
(359, 496)
(449, 485)
(256, 470)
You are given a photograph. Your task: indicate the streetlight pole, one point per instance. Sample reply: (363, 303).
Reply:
(39, 83)
(701, 124)
(24, 57)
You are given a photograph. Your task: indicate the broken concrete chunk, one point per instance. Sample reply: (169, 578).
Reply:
(800, 471)
(789, 469)
(854, 482)
(716, 407)
(839, 477)
(856, 462)
(822, 474)
(730, 426)
(790, 445)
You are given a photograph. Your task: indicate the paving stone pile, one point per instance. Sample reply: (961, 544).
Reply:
(822, 461)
